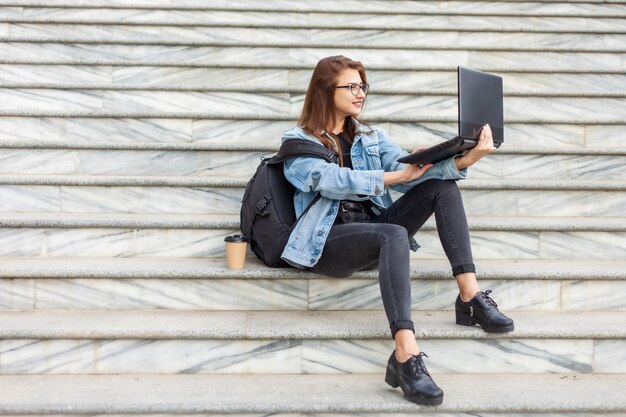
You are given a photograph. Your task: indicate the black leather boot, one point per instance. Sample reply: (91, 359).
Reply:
(414, 379)
(482, 310)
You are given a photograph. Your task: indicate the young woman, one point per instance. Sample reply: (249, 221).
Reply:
(356, 225)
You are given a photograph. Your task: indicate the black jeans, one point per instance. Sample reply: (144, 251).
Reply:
(385, 240)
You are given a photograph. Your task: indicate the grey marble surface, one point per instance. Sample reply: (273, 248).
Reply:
(320, 294)
(208, 243)
(226, 200)
(267, 132)
(96, 54)
(113, 294)
(389, 38)
(171, 77)
(244, 163)
(293, 19)
(322, 356)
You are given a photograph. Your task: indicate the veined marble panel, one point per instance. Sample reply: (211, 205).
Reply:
(488, 202)
(19, 199)
(22, 242)
(445, 81)
(210, 77)
(388, 38)
(517, 108)
(179, 294)
(149, 356)
(309, 356)
(538, 61)
(62, 74)
(594, 295)
(609, 356)
(17, 294)
(195, 102)
(257, 132)
(485, 245)
(409, 135)
(50, 100)
(216, 163)
(101, 54)
(561, 166)
(383, 58)
(199, 200)
(586, 245)
(352, 294)
(335, 20)
(454, 356)
(37, 161)
(89, 130)
(571, 203)
(606, 136)
(125, 243)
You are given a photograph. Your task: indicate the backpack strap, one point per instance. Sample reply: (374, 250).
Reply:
(304, 147)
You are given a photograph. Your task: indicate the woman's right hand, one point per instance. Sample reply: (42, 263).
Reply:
(409, 173)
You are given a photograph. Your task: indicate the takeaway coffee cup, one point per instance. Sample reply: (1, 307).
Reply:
(236, 246)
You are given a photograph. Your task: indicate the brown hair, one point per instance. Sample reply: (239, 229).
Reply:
(318, 111)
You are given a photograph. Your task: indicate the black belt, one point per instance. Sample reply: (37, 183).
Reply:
(353, 211)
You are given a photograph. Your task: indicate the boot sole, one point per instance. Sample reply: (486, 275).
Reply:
(418, 399)
(463, 319)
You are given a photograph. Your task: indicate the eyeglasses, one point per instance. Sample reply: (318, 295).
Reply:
(354, 88)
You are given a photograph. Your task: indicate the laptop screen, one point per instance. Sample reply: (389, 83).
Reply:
(480, 102)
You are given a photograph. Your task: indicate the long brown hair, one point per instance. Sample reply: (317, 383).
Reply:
(318, 111)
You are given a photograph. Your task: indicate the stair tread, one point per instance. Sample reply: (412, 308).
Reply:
(594, 8)
(47, 394)
(207, 268)
(238, 181)
(276, 325)
(231, 221)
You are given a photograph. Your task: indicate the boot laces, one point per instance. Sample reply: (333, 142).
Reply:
(489, 300)
(419, 363)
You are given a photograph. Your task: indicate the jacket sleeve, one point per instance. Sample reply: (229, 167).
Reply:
(310, 174)
(390, 152)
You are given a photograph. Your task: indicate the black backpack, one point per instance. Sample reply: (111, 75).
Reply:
(267, 214)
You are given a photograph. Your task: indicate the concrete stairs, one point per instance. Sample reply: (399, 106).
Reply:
(129, 129)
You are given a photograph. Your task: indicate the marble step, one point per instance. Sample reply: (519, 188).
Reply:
(503, 164)
(205, 284)
(304, 37)
(52, 53)
(188, 395)
(80, 77)
(264, 134)
(318, 19)
(137, 342)
(595, 8)
(206, 195)
(200, 104)
(56, 235)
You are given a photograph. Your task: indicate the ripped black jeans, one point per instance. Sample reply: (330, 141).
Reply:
(384, 240)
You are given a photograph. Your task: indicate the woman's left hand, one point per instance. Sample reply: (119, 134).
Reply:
(483, 148)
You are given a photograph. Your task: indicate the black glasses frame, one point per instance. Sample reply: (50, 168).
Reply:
(354, 88)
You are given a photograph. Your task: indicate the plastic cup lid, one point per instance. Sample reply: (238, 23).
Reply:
(235, 238)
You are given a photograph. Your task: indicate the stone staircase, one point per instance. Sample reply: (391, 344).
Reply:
(128, 130)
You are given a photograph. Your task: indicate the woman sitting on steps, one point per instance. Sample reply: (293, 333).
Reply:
(356, 225)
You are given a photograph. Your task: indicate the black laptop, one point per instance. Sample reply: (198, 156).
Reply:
(480, 103)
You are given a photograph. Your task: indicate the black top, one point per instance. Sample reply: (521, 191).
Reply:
(345, 150)
(347, 163)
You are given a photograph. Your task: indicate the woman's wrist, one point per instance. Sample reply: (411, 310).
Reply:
(463, 162)
(394, 177)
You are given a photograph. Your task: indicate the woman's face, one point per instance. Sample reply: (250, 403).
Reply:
(347, 104)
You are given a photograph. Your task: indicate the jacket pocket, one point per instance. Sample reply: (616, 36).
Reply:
(373, 157)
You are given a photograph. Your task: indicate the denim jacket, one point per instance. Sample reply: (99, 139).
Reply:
(372, 154)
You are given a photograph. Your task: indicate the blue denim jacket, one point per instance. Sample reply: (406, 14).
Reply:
(372, 154)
